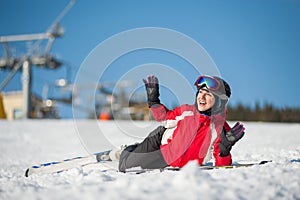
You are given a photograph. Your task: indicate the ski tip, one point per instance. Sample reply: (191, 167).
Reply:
(264, 162)
(27, 172)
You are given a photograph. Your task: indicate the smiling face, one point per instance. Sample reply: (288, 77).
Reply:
(205, 100)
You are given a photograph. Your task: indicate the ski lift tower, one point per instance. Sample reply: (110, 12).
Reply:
(26, 61)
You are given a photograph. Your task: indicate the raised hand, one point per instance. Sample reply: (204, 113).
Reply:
(152, 88)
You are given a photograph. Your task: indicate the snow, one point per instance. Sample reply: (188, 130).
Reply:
(29, 142)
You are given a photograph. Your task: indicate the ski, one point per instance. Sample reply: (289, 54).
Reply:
(203, 167)
(101, 161)
(234, 165)
(56, 167)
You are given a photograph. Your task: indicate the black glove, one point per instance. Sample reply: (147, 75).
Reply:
(228, 139)
(152, 88)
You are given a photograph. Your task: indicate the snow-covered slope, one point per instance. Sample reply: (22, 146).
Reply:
(24, 143)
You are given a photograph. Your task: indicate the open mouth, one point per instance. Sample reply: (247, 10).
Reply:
(202, 103)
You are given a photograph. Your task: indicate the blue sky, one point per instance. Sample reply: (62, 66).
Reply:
(255, 44)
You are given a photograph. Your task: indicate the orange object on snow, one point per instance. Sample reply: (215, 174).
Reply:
(104, 116)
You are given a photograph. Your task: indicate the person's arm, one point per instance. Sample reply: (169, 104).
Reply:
(228, 137)
(221, 160)
(159, 111)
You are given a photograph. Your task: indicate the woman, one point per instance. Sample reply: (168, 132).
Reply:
(189, 132)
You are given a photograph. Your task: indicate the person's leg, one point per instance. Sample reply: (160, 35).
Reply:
(152, 142)
(146, 154)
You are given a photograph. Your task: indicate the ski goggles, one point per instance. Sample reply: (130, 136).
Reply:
(212, 84)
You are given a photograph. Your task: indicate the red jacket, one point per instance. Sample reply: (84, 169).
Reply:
(190, 135)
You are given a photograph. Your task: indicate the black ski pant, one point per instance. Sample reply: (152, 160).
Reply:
(146, 154)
